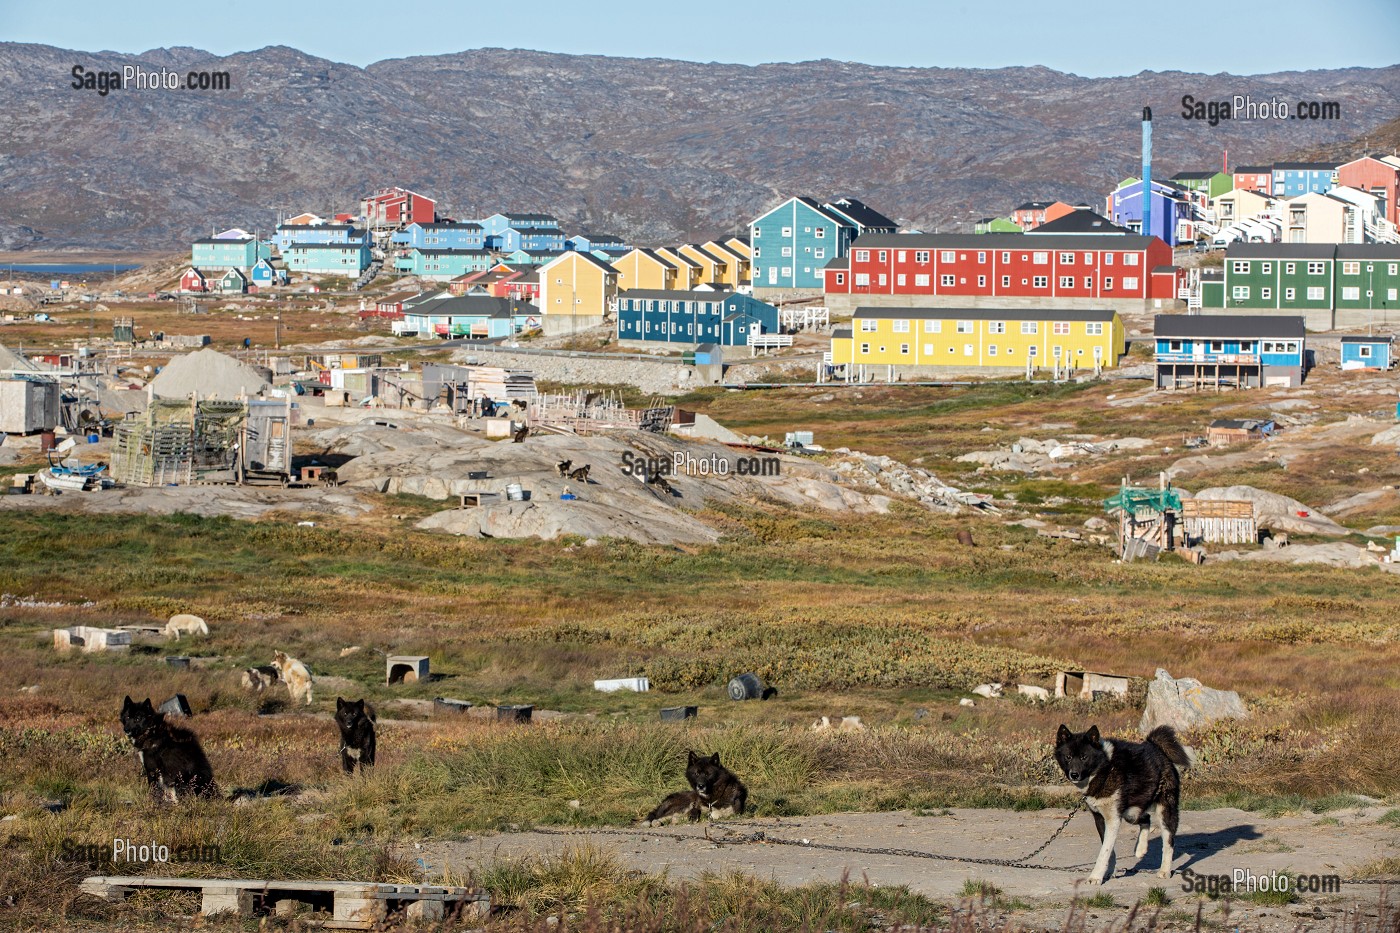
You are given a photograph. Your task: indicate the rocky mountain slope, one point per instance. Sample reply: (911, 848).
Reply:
(647, 148)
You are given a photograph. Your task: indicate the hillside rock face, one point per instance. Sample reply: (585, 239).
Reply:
(650, 149)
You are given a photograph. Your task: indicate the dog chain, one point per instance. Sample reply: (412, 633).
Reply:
(763, 838)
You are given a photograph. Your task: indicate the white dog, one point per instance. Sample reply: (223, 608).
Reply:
(184, 623)
(295, 675)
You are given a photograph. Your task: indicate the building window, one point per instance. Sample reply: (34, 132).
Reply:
(862, 279)
(899, 279)
(1174, 346)
(1040, 259)
(1363, 352)
(947, 280)
(1067, 281)
(901, 256)
(1088, 259)
(1060, 327)
(1040, 281)
(1217, 346)
(1394, 268)
(904, 349)
(1094, 330)
(901, 327)
(884, 256)
(1005, 257)
(1130, 282)
(1028, 327)
(964, 327)
(921, 256)
(1108, 259)
(1066, 259)
(991, 349)
(820, 253)
(1266, 293)
(840, 278)
(1351, 268)
(981, 281)
(1239, 267)
(862, 255)
(787, 232)
(1088, 281)
(933, 327)
(869, 326)
(1239, 292)
(1130, 259)
(1032, 350)
(928, 349)
(1267, 268)
(787, 251)
(996, 327)
(1351, 293)
(1317, 268)
(947, 256)
(981, 257)
(967, 349)
(921, 280)
(1005, 281)
(1289, 268)
(865, 349)
(819, 233)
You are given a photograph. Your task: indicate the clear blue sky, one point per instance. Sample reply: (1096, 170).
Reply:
(1091, 37)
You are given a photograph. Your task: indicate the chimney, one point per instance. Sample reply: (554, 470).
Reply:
(1146, 171)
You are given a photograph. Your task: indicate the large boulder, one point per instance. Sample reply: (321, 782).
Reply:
(1278, 512)
(1187, 704)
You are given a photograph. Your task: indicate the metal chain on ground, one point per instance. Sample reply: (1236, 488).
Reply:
(763, 838)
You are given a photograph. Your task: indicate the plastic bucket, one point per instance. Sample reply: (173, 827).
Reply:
(678, 713)
(746, 687)
(178, 661)
(94, 437)
(515, 492)
(443, 704)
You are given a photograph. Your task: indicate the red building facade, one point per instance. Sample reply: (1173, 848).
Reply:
(999, 265)
(397, 207)
(1379, 178)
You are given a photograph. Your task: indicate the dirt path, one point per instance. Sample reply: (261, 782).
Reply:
(1211, 842)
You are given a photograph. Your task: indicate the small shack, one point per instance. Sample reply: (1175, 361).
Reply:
(1369, 352)
(1147, 519)
(29, 404)
(1219, 521)
(1225, 432)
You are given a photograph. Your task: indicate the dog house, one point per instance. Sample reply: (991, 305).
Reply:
(91, 639)
(405, 669)
(1089, 685)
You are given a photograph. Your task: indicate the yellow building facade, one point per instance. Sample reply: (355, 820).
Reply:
(642, 268)
(576, 290)
(977, 338)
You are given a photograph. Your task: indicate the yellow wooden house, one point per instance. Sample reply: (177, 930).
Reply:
(643, 268)
(736, 263)
(576, 291)
(713, 268)
(907, 341)
(689, 273)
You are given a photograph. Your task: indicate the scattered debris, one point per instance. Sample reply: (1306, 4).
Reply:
(635, 684)
(1089, 685)
(91, 639)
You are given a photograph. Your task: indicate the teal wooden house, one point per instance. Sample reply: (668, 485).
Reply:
(688, 318)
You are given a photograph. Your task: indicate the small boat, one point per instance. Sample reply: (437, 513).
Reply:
(71, 476)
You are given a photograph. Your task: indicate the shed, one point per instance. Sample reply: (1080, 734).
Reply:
(708, 353)
(1369, 352)
(1223, 432)
(29, 405)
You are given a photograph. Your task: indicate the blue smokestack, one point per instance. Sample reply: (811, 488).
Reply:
(1147, 171)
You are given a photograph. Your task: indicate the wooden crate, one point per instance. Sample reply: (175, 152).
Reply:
(354, 905)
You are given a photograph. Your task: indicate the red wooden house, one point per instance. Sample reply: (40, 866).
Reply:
(1004, 265)
(1377, 176)
(193, 281)
(1254, 178)
(397, 207)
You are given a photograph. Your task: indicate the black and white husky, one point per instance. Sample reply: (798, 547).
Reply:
(1133, 782)
(170, 756)
(356, 720)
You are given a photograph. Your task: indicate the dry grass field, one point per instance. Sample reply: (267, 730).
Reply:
(887, 618)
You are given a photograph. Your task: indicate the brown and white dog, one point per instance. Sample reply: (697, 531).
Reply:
(295, 675)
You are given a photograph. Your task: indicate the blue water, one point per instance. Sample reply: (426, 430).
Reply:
(67, 268)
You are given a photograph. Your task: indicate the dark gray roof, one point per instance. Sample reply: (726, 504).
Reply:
(1386, 251)
(1164, 269)
(1238, 250)
(1249, 424)
(1077, 222)
(1253, 170)
(241, 241)
(465, 225)
(1219, 326)
(861, 213)
(839, 262)
(1378, 338)
(451, 252)
(1194, 176)
(316, 227)
(676, 295)
(1305, 166)
(1000, 241)
(471, 306)
(293, 247)
(984, 314)
(1033, 206)
(841, 333)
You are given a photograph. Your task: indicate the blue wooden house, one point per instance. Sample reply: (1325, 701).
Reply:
(441, 236)
(603, 245)
(793, 242)
(476, 317)
(444, 264)
(1294, 178)
(1172, 211)
(289, 235)
(1369, 352)
(348, 259)
(264, 274)
(220, 253)
(507, 233)
(1199, 351)
(688, 318)
(532, 257)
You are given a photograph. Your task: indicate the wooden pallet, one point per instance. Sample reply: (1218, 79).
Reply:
(354, 905)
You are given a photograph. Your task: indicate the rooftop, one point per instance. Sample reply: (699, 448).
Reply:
(1220, 326)
(983, 314)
